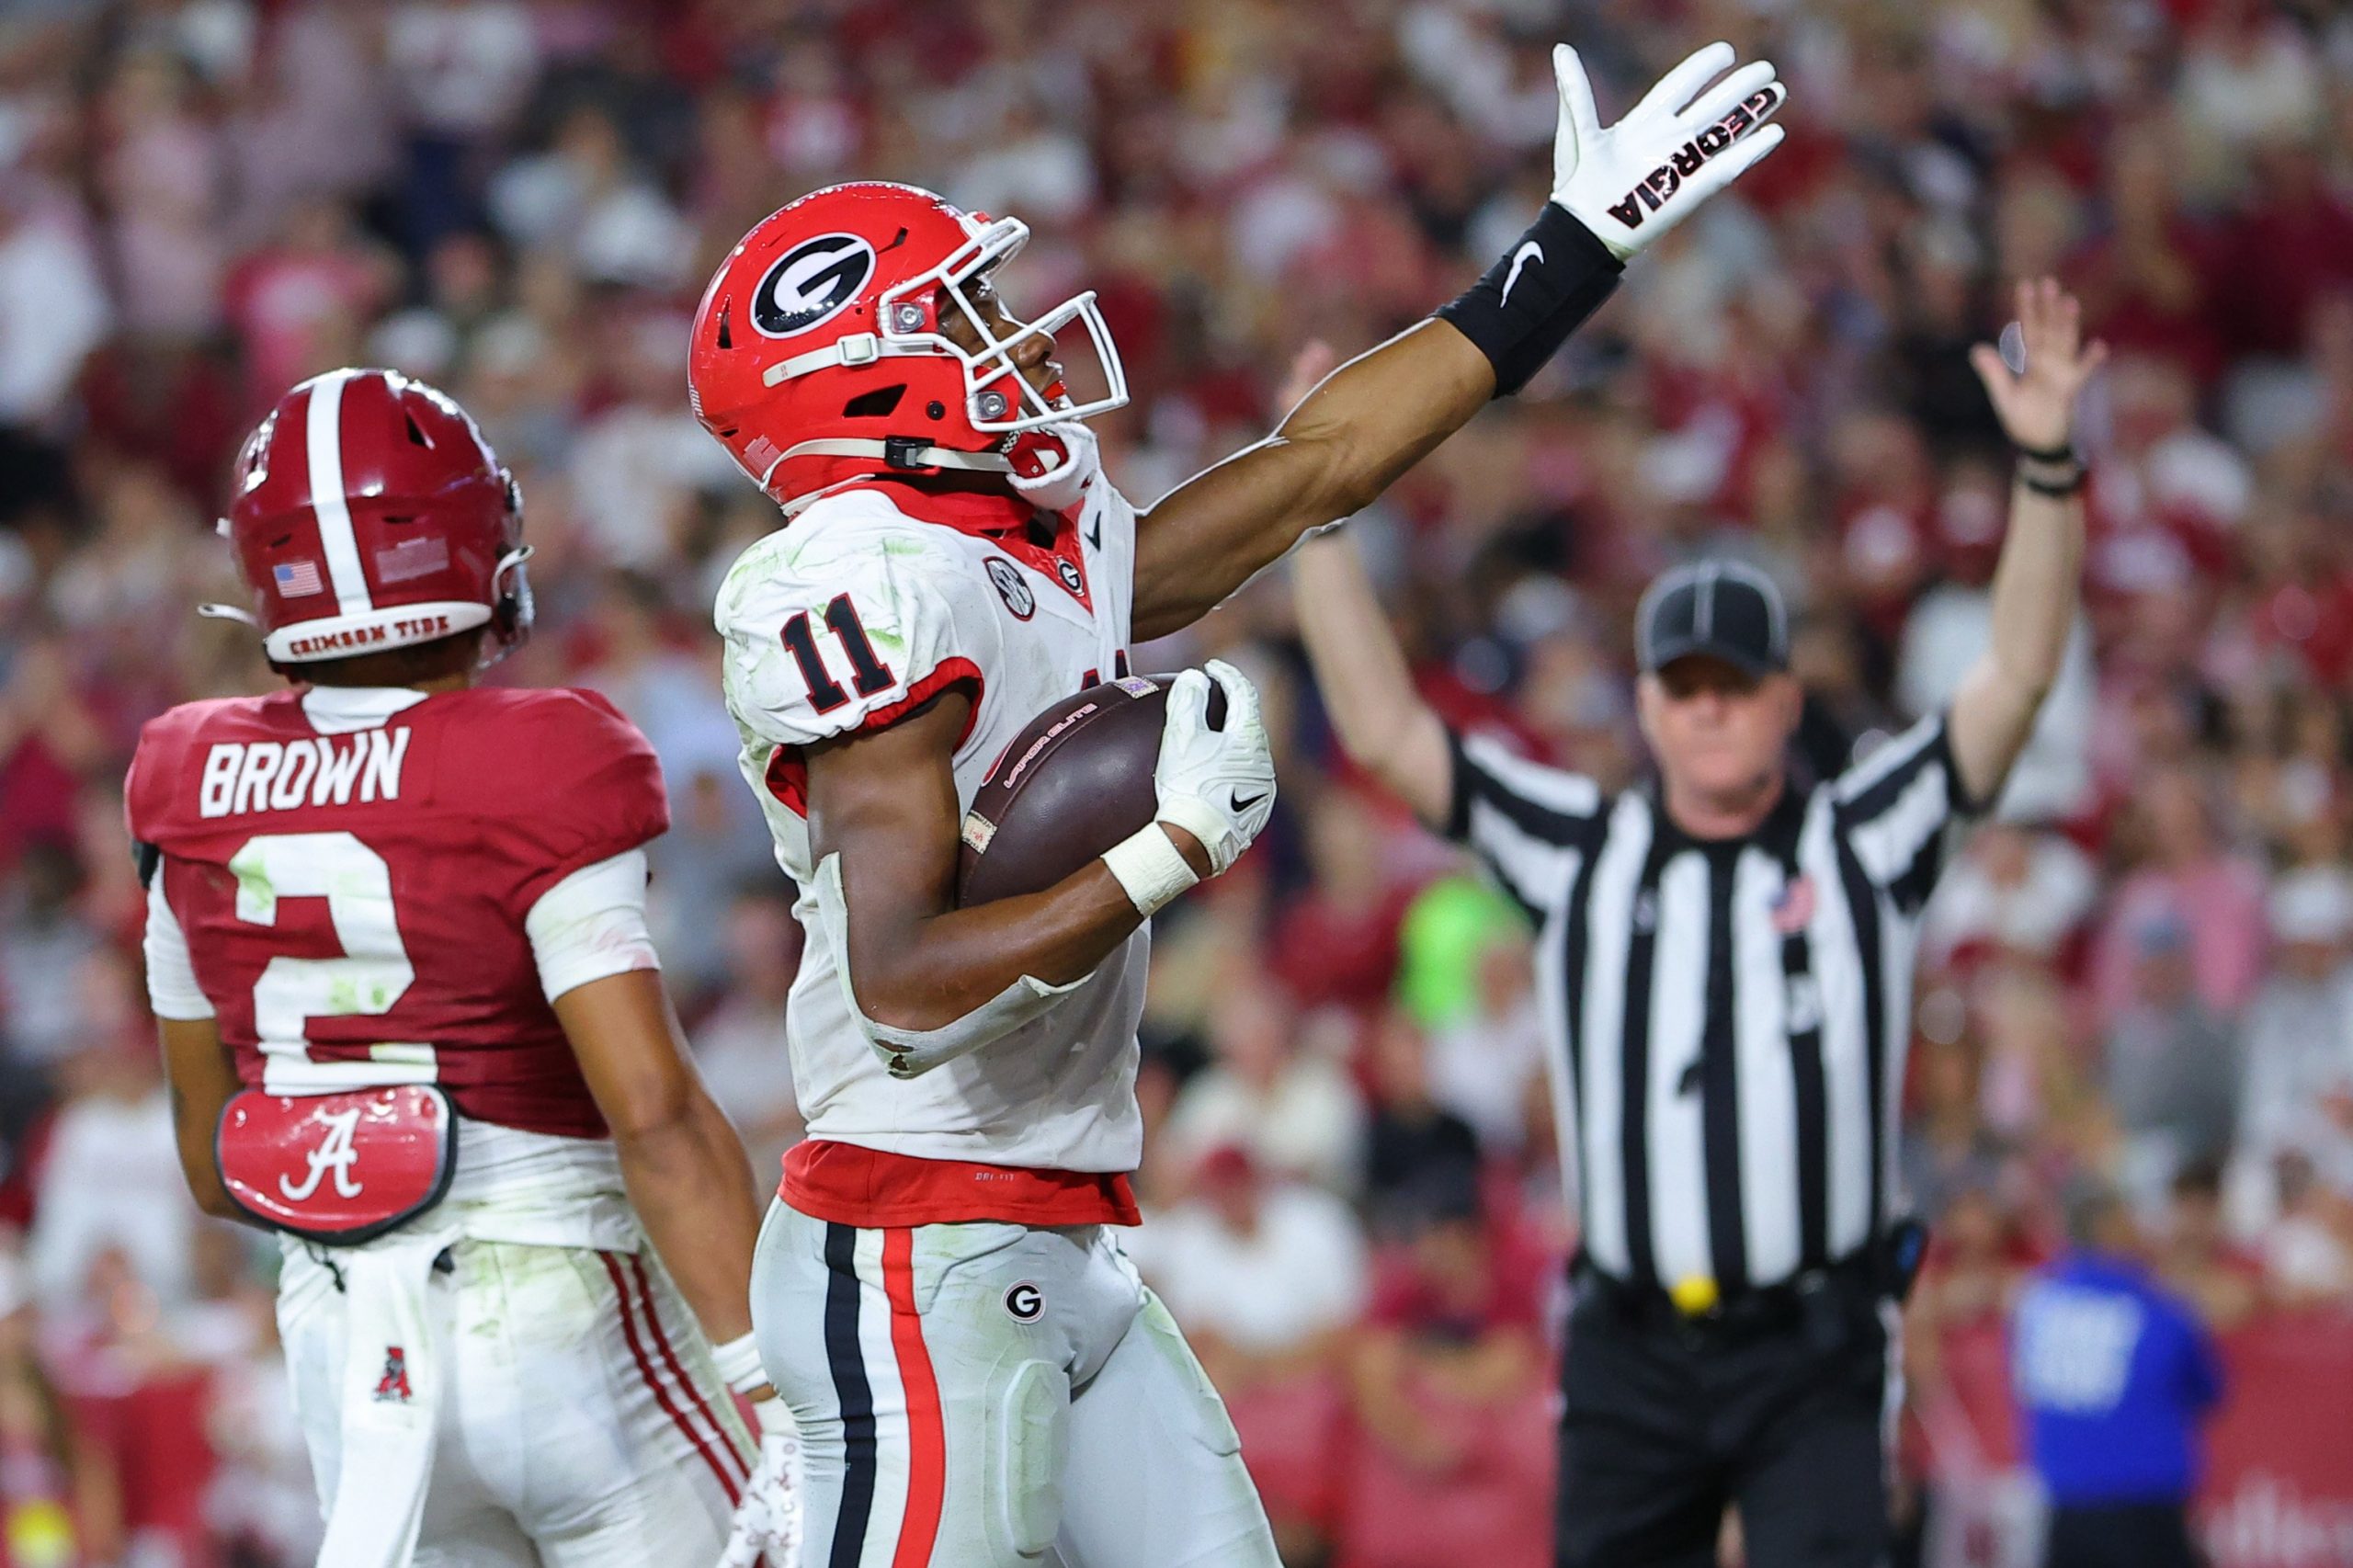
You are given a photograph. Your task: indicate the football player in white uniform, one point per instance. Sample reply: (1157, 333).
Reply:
(978, 1376)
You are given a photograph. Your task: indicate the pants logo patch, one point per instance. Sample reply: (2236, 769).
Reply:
(392, 1386)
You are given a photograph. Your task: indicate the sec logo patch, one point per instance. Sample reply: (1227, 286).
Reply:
(1024, 1302)
(1011, 589)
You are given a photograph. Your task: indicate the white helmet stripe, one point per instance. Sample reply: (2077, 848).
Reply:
(323, 436)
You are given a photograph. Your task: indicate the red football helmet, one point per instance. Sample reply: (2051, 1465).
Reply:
(818, 358)
(370, 514)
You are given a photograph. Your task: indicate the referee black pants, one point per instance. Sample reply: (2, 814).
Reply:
(2120, 1535)
(1667, 1422)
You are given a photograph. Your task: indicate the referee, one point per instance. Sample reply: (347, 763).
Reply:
(1725, 960)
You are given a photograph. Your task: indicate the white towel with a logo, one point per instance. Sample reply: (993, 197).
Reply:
(393, 1371)
(523, 1189)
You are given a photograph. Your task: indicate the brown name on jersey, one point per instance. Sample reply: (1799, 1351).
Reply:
(280, 776)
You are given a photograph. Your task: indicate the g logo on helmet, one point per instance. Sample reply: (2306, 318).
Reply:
(810, 283)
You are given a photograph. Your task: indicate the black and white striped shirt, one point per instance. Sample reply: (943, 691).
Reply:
(1727, 1018)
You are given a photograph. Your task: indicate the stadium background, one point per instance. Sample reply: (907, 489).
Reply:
(1355, 1205)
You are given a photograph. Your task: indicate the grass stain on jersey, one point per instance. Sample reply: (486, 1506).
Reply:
(254, 886)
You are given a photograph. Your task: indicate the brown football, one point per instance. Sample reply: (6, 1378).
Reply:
(1074, 783)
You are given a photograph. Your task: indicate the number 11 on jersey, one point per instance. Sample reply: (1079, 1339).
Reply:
(868, 674)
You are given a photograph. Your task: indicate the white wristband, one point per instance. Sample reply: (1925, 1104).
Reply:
(739, 1365)
(1148, 867)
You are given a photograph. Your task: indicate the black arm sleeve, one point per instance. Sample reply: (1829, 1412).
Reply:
(1526, 305)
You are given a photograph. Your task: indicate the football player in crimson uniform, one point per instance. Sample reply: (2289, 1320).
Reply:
(412, 1020)
(978, 1375)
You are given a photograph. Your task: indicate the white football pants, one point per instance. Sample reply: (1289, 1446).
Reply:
(995, 1396)
(580, 1423)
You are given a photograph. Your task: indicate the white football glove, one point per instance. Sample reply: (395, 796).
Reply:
(768, 1521)
(1055, 464)
(1218, 785)
(1631, 182)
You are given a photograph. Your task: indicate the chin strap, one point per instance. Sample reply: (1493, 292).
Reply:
(856, 348)
(227, 612)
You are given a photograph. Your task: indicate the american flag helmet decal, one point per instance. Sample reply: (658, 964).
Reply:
(296, 578)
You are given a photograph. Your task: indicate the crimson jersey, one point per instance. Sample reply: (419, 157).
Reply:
(353, 899)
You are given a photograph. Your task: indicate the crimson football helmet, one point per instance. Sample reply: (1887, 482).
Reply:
(370, 514)
(818, 356)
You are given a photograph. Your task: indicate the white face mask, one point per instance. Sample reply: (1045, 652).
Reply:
(990, 373)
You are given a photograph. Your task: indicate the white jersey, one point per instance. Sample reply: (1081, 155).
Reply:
(846, 620)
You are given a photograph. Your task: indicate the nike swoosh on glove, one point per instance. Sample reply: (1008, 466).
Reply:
(1218, 785)
(1630, 182)
(768, 1521)
(1055, 464)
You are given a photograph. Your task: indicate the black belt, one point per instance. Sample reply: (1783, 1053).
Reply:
(1820, 1301)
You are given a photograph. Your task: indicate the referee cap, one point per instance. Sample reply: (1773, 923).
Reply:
(1725, 608)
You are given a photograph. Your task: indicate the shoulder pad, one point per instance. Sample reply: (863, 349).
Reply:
(851, 623)
(165, 745)
(558, 779)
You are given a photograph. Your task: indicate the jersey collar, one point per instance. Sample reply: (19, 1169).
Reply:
(1777, 833)
(1003, 521)
(967, 511)
(342, 709)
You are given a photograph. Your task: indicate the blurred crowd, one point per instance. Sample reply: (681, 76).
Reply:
(2139, 972)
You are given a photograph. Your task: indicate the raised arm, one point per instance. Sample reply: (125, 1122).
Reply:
(1381, 721)
(1615, 189)
(1370, 421)
(2036, 581)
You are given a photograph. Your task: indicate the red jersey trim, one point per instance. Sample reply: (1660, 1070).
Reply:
(845, 1184)
(1048, 563)
(788, 780)
(788, 774)
(950, 672)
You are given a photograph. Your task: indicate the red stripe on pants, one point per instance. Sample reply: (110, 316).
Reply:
(670, 1360)
(661, 1395)
(927, 1430)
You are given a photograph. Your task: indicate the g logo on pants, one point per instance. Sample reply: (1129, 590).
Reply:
(1024, 1302)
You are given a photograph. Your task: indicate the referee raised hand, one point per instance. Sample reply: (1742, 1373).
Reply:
(1725, 957)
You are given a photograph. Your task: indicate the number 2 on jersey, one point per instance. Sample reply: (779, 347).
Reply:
(867, 672)
(371, 975)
